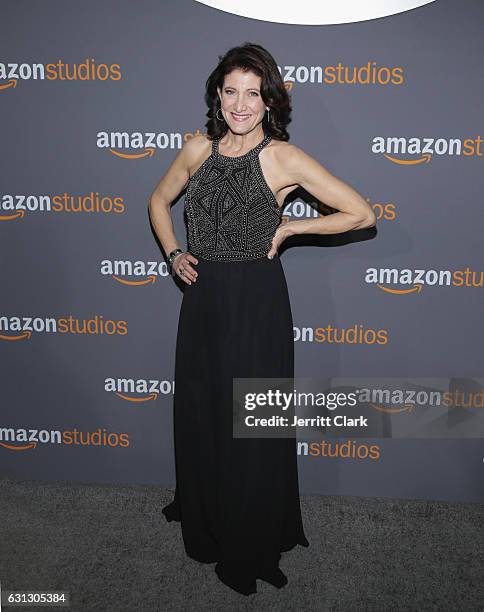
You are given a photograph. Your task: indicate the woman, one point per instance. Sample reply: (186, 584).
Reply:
(238, 498)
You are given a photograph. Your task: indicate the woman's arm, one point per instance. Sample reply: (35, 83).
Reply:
(169, 187)
(301, 169)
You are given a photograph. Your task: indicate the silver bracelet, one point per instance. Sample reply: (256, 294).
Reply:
(171, 257)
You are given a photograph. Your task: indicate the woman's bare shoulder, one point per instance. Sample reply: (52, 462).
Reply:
(197, 149)
(286, 155)
(284, 150)
(197, 145)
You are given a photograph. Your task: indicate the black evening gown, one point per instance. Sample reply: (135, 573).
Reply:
(237, 498)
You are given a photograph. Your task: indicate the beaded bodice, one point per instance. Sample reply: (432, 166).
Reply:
(232, 214)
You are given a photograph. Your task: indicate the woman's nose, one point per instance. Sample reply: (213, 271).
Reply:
(240, 105)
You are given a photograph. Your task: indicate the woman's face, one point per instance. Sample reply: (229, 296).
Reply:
(241, 101)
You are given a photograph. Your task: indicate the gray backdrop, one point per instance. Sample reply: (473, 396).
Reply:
(74, 205)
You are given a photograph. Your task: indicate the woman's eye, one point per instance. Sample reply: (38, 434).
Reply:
(229, 92)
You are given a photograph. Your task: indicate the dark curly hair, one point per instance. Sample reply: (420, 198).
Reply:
(254, 58)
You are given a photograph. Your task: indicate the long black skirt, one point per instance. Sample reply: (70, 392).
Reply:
(237, 498)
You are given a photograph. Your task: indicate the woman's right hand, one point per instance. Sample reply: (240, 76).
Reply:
(182, 265)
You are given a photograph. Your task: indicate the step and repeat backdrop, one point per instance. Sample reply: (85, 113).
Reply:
(96, 100)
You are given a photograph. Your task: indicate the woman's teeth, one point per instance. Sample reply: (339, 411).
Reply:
(240, 118)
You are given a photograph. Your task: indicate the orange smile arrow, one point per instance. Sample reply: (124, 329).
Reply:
(27, 335)
(407, 162)
(148, 398)
(11, 83)
(149, 152)
(416, 288)
(18, 448)
(151, 279)
(404, 408)
(18, 215)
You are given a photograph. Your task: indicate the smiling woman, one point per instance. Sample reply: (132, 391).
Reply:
(238, 498)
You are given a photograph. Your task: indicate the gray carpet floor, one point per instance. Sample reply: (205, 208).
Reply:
(112, 549)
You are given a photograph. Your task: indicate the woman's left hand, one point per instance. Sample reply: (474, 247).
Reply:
(282, 232)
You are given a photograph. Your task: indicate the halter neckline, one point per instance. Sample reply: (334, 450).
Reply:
(254, 151)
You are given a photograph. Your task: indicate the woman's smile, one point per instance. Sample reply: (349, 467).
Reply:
(240, 118)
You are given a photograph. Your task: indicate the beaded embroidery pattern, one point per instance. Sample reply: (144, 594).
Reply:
(232, 214)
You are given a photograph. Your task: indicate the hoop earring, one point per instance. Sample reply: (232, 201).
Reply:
(216, 114)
